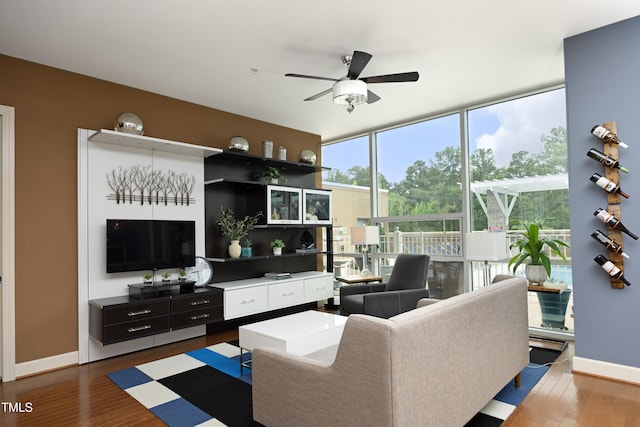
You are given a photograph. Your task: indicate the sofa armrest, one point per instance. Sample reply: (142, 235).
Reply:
(361, 289)
(427, 301)
(390, 303)
(293, 391)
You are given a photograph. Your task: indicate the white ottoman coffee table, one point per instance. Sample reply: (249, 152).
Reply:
(299, 333)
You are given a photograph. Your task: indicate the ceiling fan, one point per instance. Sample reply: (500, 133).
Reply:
(351, 89)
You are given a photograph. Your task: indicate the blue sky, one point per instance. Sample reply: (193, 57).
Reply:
(506, 128)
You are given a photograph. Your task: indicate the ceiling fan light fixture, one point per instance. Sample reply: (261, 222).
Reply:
(350, 92)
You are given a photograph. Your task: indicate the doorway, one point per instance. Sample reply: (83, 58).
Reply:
(7, 243)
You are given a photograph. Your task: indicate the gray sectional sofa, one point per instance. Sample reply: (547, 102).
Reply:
(437, 365)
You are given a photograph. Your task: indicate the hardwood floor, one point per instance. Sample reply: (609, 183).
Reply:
(84, 396)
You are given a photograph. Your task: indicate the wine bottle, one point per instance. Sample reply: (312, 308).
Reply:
(612, 270)
(607, 136)
(614, 222)
(609, 243)
(605, 160)
(607, 185)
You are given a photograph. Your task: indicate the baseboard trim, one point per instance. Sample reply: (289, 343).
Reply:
(39, 366)
(623, 373)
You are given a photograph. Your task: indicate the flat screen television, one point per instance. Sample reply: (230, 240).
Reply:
(136, 245)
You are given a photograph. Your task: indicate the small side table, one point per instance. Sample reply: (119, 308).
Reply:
(553, 304)
(358, 279)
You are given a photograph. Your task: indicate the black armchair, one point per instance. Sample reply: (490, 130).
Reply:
(407, 284)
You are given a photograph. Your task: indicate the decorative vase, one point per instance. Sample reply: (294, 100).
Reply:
(277, 251)
(246, 252)
(234, 249)
(536, 274)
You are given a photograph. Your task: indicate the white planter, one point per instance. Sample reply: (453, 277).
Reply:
(536, 274)
(235, 249)
(277, 251)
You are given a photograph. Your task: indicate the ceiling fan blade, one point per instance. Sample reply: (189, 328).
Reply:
(372, 97)
(391, 78)
(302, 76)
(359, 60)
(318, 95)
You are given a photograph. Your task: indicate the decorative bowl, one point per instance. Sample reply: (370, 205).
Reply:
(308, 156)
(238, 143)
(129, 123)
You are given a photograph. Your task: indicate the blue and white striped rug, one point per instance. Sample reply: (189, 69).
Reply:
(205, 388)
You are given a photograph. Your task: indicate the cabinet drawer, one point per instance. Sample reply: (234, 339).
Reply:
(135, 312)
(196, 317)
(196, 302)
(241, 302)
(318, 288)
(286, 294)
(135, 329)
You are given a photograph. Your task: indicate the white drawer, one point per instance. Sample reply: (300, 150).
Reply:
(242, 302)
(318, 288)
(286, 294)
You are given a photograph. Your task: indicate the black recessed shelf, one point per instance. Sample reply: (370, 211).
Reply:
(263, 257)
(240, 156)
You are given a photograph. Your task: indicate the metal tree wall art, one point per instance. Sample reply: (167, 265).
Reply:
(144, 184)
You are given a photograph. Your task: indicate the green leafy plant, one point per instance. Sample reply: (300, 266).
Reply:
(182, 272)
(273, 173)
(166, 276)
(147, 277)
(246, 243)
(531, 247)
(277, 243)
(236, 228)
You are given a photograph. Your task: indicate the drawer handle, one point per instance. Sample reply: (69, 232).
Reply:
(321, 289)
(287, 295)
(200, 316)
(248, 302)
(139, 328)
(138, 313)
(204, 301)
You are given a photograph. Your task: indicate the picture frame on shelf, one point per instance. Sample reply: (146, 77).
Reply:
(284, 205)
(317, 206)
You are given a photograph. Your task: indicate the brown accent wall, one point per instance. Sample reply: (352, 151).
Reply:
(50, 105)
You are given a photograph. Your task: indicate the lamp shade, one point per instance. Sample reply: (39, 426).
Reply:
(486, 246)
(365, 235)
(348, 92)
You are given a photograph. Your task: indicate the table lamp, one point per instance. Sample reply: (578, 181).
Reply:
(486, 246)
(365, 235)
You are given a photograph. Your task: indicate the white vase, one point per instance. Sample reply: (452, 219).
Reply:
(277, 251)
(536, 274)
(235, 249)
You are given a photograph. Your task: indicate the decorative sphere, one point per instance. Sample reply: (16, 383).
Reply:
(308, 156)
(238, 143)
(129, 123)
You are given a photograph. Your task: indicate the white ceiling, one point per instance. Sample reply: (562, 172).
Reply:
(203, 51)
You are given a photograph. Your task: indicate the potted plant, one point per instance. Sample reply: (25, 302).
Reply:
(166, 277)
(236, 228)
(182, 274)
(146, 279)
(277, 246)
(273, 175)
(531, 247)
(246, 248)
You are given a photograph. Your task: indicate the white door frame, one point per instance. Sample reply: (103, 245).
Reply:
(8, 332)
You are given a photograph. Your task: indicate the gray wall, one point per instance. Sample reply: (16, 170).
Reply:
(602, 72)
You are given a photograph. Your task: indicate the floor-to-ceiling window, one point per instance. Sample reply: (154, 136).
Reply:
(428, 181)
(518, 175)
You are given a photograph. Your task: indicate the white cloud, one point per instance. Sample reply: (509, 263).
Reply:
(522, 122)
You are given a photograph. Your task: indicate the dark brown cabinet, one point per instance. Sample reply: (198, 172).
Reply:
(197, 308)
(117, 319)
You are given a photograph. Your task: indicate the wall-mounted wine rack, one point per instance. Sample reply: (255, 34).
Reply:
(613, 204)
